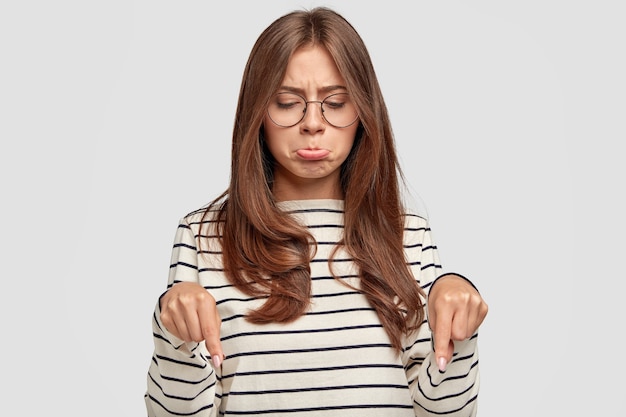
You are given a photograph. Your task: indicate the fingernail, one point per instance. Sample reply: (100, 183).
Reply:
(217, 360)
(442, 363)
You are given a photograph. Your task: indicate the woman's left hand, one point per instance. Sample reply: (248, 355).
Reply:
(455, 311)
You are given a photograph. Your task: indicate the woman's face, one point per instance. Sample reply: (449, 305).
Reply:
(309, 154)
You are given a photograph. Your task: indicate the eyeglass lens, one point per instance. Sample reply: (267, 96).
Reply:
(288, 109)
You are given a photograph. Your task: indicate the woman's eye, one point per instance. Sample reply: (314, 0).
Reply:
(334, 105)
(287, 105)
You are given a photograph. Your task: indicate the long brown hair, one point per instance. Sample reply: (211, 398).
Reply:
(266, 253)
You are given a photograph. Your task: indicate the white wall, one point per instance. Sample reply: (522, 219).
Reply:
(509, 118)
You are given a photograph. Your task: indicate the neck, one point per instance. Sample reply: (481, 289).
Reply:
(307, 189)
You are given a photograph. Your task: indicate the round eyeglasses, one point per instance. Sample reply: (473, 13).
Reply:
(289, 109)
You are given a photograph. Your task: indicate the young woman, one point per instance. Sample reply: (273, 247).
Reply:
(305, 288)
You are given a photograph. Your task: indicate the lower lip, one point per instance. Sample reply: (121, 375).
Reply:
(313, 154)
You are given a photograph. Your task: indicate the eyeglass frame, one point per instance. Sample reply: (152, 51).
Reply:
(306, 107)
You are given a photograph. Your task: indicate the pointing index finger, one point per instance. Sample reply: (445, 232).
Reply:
(441, 340)
(210, 323)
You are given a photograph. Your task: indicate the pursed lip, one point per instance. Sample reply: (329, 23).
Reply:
(312, 154)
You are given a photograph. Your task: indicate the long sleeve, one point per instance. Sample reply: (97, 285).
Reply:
(181, 379)
(455, 391)
(335, 360)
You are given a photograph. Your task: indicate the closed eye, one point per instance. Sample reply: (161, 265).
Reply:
(334, 105)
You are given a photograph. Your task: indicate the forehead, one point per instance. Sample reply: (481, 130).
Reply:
(312, 67)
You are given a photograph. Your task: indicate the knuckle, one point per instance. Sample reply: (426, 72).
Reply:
(166, 318)
(457, 298)
(202, 297)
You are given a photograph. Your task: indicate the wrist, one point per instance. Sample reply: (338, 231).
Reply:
(453, 274)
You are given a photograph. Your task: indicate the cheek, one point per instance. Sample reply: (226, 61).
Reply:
(275, 141)
(350, 139)
(349, 144)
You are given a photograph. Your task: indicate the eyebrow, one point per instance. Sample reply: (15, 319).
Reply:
(326, 89)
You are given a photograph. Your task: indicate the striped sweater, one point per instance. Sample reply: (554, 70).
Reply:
(334, 361)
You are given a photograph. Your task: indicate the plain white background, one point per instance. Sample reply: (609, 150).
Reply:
(115, 120)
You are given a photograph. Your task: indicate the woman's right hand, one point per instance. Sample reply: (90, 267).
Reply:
(188, 311)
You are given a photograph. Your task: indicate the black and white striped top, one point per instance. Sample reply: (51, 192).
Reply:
(335, 361)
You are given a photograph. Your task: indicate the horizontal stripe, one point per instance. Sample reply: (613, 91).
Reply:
(302, 331)
(326, 408)
(379, 366)
(316, 389)
(335, 358)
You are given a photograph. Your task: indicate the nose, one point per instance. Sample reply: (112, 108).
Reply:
(313, 121)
